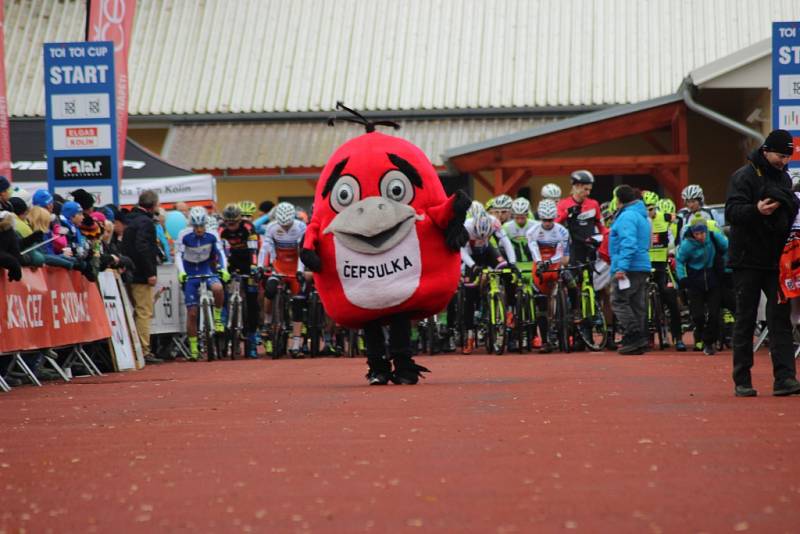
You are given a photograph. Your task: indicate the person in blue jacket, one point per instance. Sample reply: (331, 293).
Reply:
(700, 268)
(629, 249)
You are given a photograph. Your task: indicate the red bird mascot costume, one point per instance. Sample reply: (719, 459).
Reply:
(384, 244)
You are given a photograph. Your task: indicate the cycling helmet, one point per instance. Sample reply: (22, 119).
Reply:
(483, 225)
(503, 202)
(247, 208)
(232, 212)
(285, 214)
(475, 209)
(650, 198)
(667, 205)
(547, 209)
(198, 216)
(520, 206)
(551, 191)
(692, 192)
(582, 177)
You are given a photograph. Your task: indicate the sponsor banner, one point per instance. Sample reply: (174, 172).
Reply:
(195, 187)
(112, 20)
(5, 135)
(124, 358)
(82, 137)
(50, 307)
(88, 167)
(80, 129)
(786, 83)
(169, 311)
(103, 194)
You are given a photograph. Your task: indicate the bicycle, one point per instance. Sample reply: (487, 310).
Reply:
(234, 327)
(558, 309)
(315, 320)
(280, 328)
(494, 309)
(593, 328)
(206, 334)
(524, 313)
(656, 321)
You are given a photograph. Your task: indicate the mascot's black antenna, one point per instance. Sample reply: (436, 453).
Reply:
(360, 119)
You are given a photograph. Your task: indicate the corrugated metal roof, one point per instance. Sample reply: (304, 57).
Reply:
(262, 56)
(310, 144)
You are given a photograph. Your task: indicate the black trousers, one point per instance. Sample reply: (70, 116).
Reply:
(669, 297)
(704, 309)
(748, 285)
(399, 338)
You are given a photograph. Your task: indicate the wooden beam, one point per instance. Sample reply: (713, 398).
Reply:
(498, 182)
(655, 143)
(478, 177)
(591, 161)
(515, 178)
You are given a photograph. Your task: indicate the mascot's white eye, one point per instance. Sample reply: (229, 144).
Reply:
(345, 192)
(396, 186)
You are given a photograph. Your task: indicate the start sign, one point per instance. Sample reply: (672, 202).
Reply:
(80, 122)
(786, 84)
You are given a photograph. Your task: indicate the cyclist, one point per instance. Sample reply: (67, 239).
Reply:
(582, 217)
(261, 223)
(199, 252)
(694, 201)
(551, 192)
(242, 249)
(548, 243)
(476, 255)
(660, 240)
(517, 229)
(283, 238)
(475, 209)
(501, 208)
(497, 234)
(248, 210)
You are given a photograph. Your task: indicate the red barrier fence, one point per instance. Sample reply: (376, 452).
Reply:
(50, 307)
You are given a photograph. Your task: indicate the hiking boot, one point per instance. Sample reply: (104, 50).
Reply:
(151, 358)
(547, 348)
(680, 346)
(633, 345)
(406, 371)
(745, 391)
(379, 373)
(787, 386)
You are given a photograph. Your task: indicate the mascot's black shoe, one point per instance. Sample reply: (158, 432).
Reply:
(380, 372)
(407, 372)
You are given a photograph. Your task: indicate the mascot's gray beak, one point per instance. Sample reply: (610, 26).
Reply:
(373, 225)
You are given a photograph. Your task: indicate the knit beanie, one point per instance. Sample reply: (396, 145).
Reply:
(779, 141)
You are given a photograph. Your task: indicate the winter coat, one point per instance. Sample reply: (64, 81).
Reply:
(629, 240)
(757, 240)
(696, 263)
(139, 243)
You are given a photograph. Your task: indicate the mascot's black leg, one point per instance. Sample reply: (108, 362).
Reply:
(405, 370)
(380, 370)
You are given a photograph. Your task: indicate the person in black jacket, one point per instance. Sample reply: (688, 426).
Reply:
(761, 209)
(139, 243)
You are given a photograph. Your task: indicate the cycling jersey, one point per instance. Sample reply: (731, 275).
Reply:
(281, 248)
(582, 220)
(477, 243)
(519, 238)
(199, 254)
(548, 244)
(243, 247)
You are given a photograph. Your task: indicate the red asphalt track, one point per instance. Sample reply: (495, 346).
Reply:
(588, 442)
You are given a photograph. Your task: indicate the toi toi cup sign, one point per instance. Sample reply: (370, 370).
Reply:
(786, 84)
(81, 119)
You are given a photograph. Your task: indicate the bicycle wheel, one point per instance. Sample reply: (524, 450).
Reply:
(431, 335)
(234, 333)
(210, 340)
(659, 324)
(497, 324)
(522, 321)
(563, 319)
(593, 329)
(459, 321)
(276, 328)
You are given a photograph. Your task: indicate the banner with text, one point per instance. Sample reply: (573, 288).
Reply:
(786, 84)
(169, 311)
(112, 20)
(80, 119)
(50, 307)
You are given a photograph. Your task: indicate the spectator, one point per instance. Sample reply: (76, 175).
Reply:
(39, 219)
(629, 248)
(43, 199)
(164, 244)
(183, 207)
(5, 194)
(265, 208)
(700, 265)
(761, 209)
(139, 244)
(85, 199)
(9, 246)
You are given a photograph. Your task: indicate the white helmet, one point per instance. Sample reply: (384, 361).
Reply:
(503, 202)
(198, 216)
(692, 192)
(285, 214)
(483, 225)
(520, 206)
(551, 191)
(547, 209)
(475, 209)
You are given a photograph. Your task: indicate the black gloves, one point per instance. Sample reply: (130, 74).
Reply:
(456, 235)
(311, 260)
